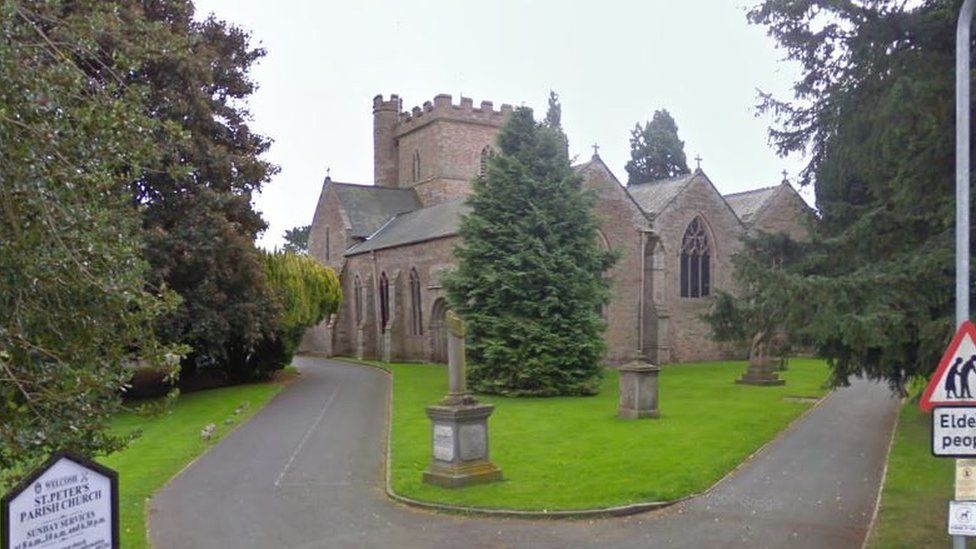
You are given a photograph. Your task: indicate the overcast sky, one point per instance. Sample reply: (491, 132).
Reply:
(612, 62)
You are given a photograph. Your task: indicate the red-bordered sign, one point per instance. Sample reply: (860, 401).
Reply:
(954, 381)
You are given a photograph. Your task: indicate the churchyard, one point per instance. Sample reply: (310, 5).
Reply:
(572, 453)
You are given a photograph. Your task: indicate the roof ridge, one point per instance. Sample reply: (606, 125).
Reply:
(665, 179)
(371, 186)
(760, 189)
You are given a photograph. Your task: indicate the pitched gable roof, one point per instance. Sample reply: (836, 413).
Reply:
(367, 207)
(748, 203)
(654, 196)
(437, 221)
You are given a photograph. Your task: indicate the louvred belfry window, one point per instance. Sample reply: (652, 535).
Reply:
(695, 261)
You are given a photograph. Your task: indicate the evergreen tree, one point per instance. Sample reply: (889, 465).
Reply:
(296, 239)
(655, 150)
(554, 114)
(74, 312)
(873, 291)
(198, 218)
(529, 270)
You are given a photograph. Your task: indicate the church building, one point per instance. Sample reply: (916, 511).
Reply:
(391, 242)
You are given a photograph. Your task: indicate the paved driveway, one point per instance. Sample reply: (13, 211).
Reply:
(307, 471)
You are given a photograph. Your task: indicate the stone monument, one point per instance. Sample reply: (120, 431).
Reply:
(638, 389)
(459, 438)
(762, 368)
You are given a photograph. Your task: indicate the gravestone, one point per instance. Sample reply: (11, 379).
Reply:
(762, 371)
(638, 389)
(459, 437)
(762, 368)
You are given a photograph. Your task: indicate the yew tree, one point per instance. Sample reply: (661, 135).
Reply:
(529, 281)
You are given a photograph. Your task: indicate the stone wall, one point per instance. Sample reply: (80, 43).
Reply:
(620, 220)
(785, 212)
(330, 229)
(430, 259)
(688, 334)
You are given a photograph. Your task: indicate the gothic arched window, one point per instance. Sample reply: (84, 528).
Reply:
(485, 155)
(416, 166)
(357, 299)
(384, 301)
(416, 313)
(695, 260)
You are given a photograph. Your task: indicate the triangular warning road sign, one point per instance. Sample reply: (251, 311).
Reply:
(954, 381)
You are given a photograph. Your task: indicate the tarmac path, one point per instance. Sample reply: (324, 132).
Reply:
(307, 471)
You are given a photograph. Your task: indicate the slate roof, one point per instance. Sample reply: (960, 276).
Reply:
(654, 196)
(435, 221)
(368, 207)
(747, 204)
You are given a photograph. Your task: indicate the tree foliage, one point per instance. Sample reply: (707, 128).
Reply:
(296, 239)
(873, 291)
(74, 310)
(305, 293)
(529, 270)
(198, 217)
(655, 150)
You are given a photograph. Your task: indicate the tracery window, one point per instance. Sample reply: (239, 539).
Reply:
(416, 312)
(695, 260)
(384, 301)
(357, 298)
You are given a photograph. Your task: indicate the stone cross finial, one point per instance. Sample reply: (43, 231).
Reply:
(785, 173)
(698, 159)
(596, 150)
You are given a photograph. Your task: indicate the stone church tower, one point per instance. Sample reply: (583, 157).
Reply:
(435, 149)
(392, 241)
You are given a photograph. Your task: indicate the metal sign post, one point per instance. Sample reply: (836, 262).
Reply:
(962, 176)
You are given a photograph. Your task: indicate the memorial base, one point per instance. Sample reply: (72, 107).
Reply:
(762, 373)
(638, 390)
(460, 446)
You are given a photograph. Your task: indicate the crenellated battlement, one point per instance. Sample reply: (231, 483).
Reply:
(443, 108)
(395, 104)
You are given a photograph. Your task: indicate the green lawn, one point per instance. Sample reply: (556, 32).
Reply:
(573, 453)
(169, 442)
(915, 500)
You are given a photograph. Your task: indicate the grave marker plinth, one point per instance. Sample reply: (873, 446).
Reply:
(762, 371)
(459, 425)
(638, 389)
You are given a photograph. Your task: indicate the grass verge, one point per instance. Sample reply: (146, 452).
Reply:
(574, 453)
(169, 442)
(917, 488)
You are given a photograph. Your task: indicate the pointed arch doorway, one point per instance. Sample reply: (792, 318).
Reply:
(438, 331)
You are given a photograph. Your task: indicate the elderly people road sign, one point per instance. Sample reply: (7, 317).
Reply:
(954, 381)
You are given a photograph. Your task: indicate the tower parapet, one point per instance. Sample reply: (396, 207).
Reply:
(443, 108)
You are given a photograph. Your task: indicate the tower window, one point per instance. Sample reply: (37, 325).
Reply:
(695, 261)
(415, 172)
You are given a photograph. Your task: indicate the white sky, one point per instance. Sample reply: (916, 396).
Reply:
(613, 63)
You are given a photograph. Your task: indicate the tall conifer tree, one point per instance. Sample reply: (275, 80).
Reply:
(529, 273)
(873, 109)
(655, 150)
